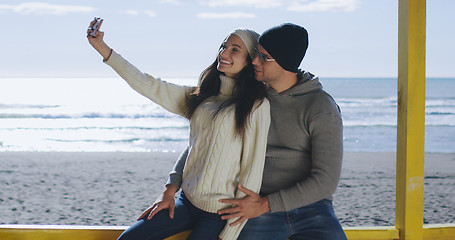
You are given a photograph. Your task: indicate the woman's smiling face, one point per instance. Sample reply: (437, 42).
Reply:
(232, 57)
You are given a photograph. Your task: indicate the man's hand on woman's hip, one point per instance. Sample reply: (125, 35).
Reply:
(251, 206)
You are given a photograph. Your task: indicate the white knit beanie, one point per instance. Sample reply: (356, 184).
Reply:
(249, 38)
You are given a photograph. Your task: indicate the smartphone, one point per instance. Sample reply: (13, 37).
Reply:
(96, 26)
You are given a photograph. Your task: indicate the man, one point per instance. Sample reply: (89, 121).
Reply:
(304, 148)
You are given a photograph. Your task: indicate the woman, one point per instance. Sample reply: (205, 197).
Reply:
(229, 120)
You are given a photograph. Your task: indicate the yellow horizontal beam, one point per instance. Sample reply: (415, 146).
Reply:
(439, 232)
(67, 232)
(55, 232)
(71, 232)
(371, 233)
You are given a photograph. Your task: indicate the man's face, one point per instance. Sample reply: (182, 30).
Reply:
(266, 69)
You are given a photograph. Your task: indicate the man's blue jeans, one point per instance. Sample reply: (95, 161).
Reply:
(204, 225)
(316, 221)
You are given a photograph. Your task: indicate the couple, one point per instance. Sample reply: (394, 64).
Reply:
(265, 145)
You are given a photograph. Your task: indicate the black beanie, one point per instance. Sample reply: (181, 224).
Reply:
(287, 43)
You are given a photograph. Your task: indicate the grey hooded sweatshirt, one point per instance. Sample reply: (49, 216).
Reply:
(304, 147)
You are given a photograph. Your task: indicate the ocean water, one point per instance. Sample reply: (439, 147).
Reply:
(105, 114)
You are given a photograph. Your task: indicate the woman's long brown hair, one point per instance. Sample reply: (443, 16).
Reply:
(245, 93)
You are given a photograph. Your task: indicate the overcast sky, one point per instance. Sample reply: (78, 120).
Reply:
(179, 38)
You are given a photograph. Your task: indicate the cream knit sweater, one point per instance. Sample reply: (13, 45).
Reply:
(218, 160)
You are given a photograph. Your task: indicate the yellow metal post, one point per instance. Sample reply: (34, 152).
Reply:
(411, 118)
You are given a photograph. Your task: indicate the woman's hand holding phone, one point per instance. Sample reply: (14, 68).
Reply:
(95, 38)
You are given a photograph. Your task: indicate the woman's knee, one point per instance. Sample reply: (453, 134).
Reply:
(135, 231)
(126, 235)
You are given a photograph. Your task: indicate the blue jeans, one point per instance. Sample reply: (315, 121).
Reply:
(316, 221)
(204, 225)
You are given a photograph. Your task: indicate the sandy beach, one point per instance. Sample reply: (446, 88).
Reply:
(112, 188)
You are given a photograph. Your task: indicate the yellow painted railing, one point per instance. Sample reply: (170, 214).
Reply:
(410, 155)
(66, 232)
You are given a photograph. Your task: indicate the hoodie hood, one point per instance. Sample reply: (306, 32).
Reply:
(306, 83)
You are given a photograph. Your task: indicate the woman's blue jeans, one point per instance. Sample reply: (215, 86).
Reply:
(204, 225)
(316, 221)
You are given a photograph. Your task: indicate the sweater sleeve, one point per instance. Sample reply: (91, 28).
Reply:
(170, 96)
(175, 176)
(326, 131)
(252, 163)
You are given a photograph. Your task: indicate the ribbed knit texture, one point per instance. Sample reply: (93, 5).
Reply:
(218, 160)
